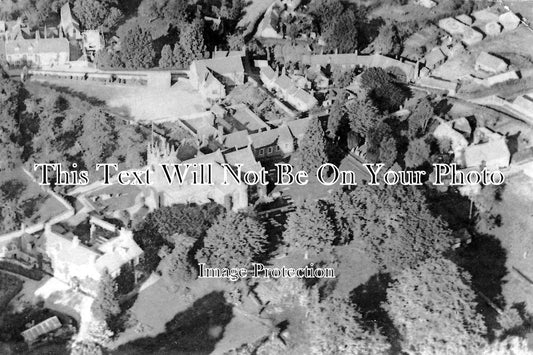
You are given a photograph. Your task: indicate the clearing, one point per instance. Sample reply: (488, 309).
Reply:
(138, 102)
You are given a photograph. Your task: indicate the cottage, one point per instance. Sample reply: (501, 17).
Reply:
(274, 143)
(490, 63)
(212, 88)
(93, 41)
(492, 155)
(301, 100)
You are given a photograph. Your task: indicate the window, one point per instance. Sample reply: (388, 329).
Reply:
(261, 151)
(270, 150)
(277, 148)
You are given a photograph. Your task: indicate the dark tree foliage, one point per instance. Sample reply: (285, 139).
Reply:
(312, 150)
(98, 138)
(105, 305)
(383, 89)
(420, 118)
(309, 228)
(342, 36)
(86, 348)
(433, 307)
(337, 118)
(11, 97)
(159, 227)
(191, 45)
(137, 49)
(418, 153)
(375, 136)
(334, 327)
(362, 115)
(172, 11)
(234, 240)
(388, 41)
(97, 14)
(177, 265)
(167, 59)
(394, 223)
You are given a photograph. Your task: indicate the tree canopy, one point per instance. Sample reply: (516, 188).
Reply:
(433, 307)
(393, 222)
(234, 240)
(309, 228)
(137, 49)
(312, 150)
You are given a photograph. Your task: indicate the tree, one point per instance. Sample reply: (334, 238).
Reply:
(11, 102)
(336, 118)
(235, 41)
(334, 327)
(106, 306)
(97, 14)
(98, 138)
(420, 118)
(234, 240)
(167, 59)
(12, 215)
(192, 42)
(417, 153)
(172, 11)
(177, 265)
(309, 228)
(342, 35)
(388, 42)
(362, 115)
(393, 223)
(433, 307)
(137, 49)
(388, 151)
(312, 150)
(386, 93)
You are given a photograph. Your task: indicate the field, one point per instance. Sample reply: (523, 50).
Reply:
(516, 237)
(139, 103)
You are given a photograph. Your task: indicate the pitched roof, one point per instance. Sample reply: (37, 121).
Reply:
(266, 138)
(235, 140)
(491, 62)
(299, 127)
(248, 119)
(434, 57)
(117, 252)
(245, 157)
(221, 65)
(268, 72)
(284, 82)
(304, 97)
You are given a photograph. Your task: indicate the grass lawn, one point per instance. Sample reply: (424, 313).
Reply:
(516, 236)
(9, 287)
(138, 102)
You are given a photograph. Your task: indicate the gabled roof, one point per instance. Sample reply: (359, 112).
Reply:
(434, 57)
(299, 127)
(236, 140)
(245, 157)
(304, 97)
(266, 138)
(46, 326)
(489, 61)
(268, 72)
(221, 65)
(117, 252)
(247, 119)
(284, 82)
